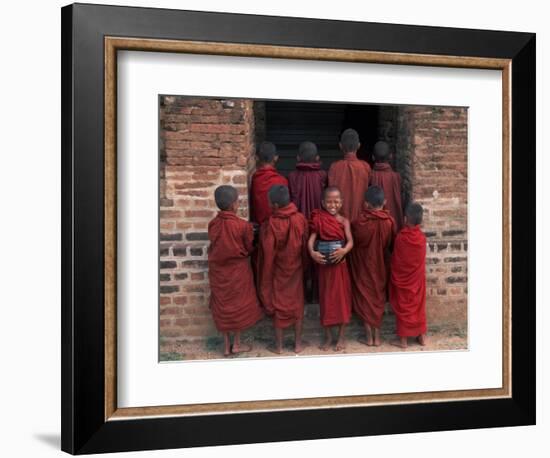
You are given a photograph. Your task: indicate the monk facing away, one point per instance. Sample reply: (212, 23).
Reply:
(350, 175)
(281, 260)
(382, 175)
(306, 185)
(330, 241)
(307, 182)
(233, 299)
(408, 279)
(373, 234)
(263, 179)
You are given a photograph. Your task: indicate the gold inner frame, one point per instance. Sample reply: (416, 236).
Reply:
(114, 44)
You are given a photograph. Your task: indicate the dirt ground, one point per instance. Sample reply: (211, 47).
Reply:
(262, 335)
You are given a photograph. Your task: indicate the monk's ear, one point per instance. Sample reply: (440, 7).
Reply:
(275, 158)
(298, 158)
(317, 158)
(384, 204)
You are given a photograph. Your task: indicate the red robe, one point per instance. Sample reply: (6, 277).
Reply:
(281, 260)
(306, 186)
(262, 180)
(334, 281)
(233, 299)
(408, 282)
(351, 176)
(382, 175)
(369, 261)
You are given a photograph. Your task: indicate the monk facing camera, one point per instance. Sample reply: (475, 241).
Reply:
(233, 300)
(408, 279)
(282, 258)
(328, 244)
(369, 261)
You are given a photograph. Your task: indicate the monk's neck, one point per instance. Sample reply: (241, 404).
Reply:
(350, 156)
(266, 166)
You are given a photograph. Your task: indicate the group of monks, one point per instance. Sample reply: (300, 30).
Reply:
(376, 252)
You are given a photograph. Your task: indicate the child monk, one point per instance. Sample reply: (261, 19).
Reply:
(281, 260)
(382, 175)
(350, 175)
(306, 185)
(328, 227)
(408, 279)
(373, 235)
(263, 179)
(233, 299)
(307, 182)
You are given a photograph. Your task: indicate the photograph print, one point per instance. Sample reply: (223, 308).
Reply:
(310, 228)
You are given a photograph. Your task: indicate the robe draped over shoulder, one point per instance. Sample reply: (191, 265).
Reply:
(383, 176)
(351, 176)
(334, 281)
(408, 282)
(282, 257)
(233, 300)
(373, 234)
(262, 180)
(306, 185)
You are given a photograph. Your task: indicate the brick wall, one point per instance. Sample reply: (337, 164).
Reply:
(203, 143)
(433, 142)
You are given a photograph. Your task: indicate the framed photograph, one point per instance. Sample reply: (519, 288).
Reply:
(285, 228)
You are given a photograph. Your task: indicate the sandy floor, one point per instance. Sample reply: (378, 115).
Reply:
(262, 336)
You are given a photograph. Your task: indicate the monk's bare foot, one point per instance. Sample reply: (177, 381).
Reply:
(377, 342)
(422, 340)
(340, 345)
(366, 341)
(242, 348)
(299, 347)
(401, 343)
(275, 349)
(227, 352)
(327, 343)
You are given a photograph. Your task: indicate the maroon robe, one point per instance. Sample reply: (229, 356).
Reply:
(408, 282)
(372, 237)
(262, 180)
(281, 260)
(334, 281)
(351, 176)
(233, 299)
(383, 176)
(306, 185)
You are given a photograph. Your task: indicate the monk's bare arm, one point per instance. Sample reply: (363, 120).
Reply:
(339, 254)
(315, 255)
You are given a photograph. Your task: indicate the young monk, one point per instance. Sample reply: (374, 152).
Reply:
(383, 176)
(263, 179)
(306, 186)
(327, 225)
(281, 260)
(233, 299)
(408, 279)
(350, 175)
(307, 182)
(373, 235)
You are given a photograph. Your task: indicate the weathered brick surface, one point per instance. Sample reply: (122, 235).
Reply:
(434, 143)
(207, 142)
(204, 143)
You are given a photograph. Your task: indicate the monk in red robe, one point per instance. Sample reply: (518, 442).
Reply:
(263, 179)
(306, 185)
(281, 260)
(382, 175)
(233, 299)
(350, 175)
(327, 225)
(307, 182)
(373, 234)
(408, 279)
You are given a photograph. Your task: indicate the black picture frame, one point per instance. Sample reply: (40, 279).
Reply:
(84, 428)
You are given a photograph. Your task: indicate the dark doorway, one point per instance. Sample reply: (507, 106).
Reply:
(287, 124)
